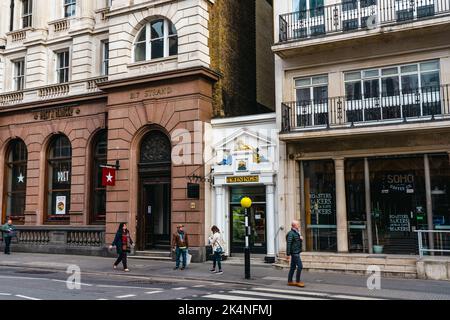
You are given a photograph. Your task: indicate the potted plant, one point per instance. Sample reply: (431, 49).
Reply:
(377, 249)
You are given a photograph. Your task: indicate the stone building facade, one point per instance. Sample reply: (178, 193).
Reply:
(88, 84)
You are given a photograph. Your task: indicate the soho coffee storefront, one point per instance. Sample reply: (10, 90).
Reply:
(374, 204)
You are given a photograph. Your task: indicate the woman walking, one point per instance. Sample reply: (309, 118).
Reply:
(123, 243)
(216, 242)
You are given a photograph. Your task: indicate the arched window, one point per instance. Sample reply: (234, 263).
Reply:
(15, 181)
(98, 191)
(157, 39)
(59, 167)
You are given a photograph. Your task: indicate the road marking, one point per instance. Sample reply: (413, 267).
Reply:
(199, 286)
(273, 295)
(154, 292)
(181, 288)
(5, 294)
(102, 299)
(25, 297)
(227, 297)
(306, 293)
(342, 296)
(274, 278)
(126, 296)
(125, 287)
(66, 281)
(217, 284)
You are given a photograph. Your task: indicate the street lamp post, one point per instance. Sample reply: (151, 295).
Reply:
(246, 203)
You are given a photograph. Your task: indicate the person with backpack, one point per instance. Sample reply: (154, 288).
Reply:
(9, 232)
(180, 243)
(122, 242)
(216, 242)
(293, 249)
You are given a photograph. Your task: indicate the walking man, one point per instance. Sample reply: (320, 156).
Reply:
(293, 249)
(180, 244)
(9, 232)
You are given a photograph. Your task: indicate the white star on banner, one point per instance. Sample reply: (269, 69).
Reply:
(21, 178)
(109, 177)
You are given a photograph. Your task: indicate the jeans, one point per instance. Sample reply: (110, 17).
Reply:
(296, 263)
(7, 245)
(217, 259)
(181, 253)
(122, 258)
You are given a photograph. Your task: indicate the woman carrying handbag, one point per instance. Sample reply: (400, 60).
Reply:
(123, 243)
(216, 242)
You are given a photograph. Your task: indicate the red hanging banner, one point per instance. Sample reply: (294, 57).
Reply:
(108, 177)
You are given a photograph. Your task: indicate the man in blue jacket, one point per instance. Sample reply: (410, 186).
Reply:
(9, 231)
(293, 249)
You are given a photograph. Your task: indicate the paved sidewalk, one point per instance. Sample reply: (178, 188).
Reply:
(261, 275)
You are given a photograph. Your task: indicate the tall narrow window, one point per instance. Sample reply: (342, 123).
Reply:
(27, 13)
(158, 39)
(70, 8)
(63, 66)
(98, 191)
(15, 181)
(59, 167)
(105, 58)
(19, 75)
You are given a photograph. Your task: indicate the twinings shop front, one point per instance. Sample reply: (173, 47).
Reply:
(386, 200)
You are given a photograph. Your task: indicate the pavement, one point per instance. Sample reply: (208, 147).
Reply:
(153, 274)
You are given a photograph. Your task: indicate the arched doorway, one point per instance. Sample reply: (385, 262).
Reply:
(153, 221)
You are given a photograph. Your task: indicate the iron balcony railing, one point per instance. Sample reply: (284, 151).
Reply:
(353, 15)
(404, 106)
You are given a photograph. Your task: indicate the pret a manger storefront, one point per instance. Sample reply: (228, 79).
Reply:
(373, 196)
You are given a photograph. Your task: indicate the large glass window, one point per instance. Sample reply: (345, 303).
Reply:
(320, 205)
(19, 74)
(70, 8)
(63, 66)
(98, 192)
(59, 174)
(27, 13)
(158, 39)
(16, 181)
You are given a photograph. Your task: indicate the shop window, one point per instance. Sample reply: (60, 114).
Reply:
(59, 173)
(320, 205)
(16, 181)
(158, 39)
(98, 191)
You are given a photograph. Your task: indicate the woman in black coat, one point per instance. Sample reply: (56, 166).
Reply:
(122, 242)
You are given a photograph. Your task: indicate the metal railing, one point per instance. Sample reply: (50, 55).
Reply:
(354, 15)
(404, 106)
(440, 240)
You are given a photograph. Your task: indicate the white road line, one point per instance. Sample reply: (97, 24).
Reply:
(199, 286)
(305, 293)
(217, 284)
(66, 281)
(25, 297)
(125, 287)
(5, 294)
(227, 297)
(126, 296)
(102, 299)
(343, 296)
(273, 295)
(154, 292)
(181, 288)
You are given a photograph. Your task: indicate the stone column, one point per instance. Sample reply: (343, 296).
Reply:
(270, 223)
(429, 202)
(341, 206)
(219, 208)
(368, 205)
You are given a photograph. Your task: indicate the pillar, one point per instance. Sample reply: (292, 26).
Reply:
(368, 205)
(429, 202)
(219, 221)
(341, 206)
(270, 223)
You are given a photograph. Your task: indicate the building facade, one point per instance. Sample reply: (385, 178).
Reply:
(362, 94)
(134, 84)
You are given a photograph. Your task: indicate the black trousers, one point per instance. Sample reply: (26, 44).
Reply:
(122, 258)
(7, 245)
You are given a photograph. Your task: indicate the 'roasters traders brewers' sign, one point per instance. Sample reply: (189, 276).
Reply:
(56, 113)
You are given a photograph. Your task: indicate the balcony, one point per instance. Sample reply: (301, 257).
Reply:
(357, 15)
(429, 105)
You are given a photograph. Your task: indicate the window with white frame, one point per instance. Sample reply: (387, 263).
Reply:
(70, 8)
(105, 58)
(312, 100)
(27, 13)
(63, 66)
(157, 39)
(19, 74)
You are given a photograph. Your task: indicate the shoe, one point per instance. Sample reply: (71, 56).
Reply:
(219, 272)
(126, 270)
(183, 268)
(176, 268)
(292, 284)
(212, 270)
(300, 284)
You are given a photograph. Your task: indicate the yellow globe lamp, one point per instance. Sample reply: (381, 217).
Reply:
(246, 202)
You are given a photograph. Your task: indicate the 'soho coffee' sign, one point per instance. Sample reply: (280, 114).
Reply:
(402, 183)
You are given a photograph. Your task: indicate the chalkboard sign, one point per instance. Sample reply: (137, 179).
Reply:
(399, 223)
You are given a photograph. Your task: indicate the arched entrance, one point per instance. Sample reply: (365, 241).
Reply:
(154, 216)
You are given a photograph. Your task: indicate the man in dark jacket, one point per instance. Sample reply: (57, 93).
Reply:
(180, 244)
(9, 231)
(293, 249)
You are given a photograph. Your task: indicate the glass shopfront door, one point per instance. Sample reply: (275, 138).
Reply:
(257, 219)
